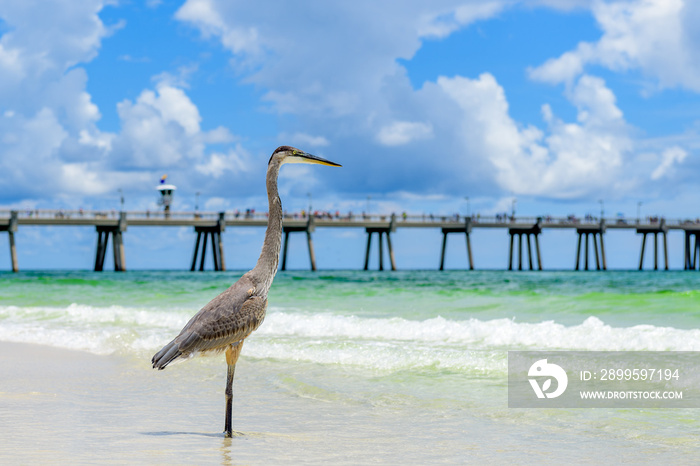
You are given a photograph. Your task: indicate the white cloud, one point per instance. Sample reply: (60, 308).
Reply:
(180, 79)
(569, 160)
(82, 179)
(671, 156)
(359, 95)
(303, 139)
(205, 15)
(399, 133)
(161, 129)
(40, 135)
(312, 60)
(102, 141)
(49, 117)
(217, 204)
(596, 103)
(173, 106)
(40, 48)
(660, 39)
(444, 22)
(218, 135)
(49, 138)
(565, 68)
(235, 161)
(657, 37)
(347, 92)
(151, 138)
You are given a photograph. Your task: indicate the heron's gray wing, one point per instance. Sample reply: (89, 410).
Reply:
(219, 327)
(226, 319)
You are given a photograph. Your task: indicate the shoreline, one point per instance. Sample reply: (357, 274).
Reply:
(64, 406)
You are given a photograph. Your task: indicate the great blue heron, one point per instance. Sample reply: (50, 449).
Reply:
(231, 317)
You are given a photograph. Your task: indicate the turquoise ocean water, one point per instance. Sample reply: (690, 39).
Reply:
(428, 343)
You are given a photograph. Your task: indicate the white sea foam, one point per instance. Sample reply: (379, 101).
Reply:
(377, 343)
(99, 330)
(591, 334)
(472, 345)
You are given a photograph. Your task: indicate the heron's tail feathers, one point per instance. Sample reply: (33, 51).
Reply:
(165, 356)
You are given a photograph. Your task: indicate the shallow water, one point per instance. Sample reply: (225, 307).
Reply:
(353, 366)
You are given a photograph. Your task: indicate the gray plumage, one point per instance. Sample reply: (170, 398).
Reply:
(227, 320)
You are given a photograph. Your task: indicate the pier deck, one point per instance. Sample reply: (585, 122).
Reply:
(204, 219)
(215, 222)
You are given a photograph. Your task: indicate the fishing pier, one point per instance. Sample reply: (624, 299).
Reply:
(208, 228)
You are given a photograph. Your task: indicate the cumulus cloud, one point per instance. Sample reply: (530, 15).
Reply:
(159, 129)
(402, 132)
(323, 65)
(205, 15)
(339, 91)
(671, 156)
(358, 96)
(442, 23)
(49, 118)
(341, 86)
(303, 140)
(657, 37)
(568, 160)
(49, 135)
(236, 161)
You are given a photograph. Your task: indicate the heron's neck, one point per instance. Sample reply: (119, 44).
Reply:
(266, 268)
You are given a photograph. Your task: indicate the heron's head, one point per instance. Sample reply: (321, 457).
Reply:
(287, 154)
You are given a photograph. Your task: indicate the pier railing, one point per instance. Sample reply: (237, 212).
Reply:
(81, 216)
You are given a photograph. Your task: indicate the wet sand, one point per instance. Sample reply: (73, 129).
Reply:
(67, 407)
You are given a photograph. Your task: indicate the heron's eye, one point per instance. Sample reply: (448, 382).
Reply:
(295, 152)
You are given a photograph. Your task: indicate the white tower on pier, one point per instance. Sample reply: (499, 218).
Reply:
(166, 194)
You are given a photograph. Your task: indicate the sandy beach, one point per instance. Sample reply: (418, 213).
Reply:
(69, 407)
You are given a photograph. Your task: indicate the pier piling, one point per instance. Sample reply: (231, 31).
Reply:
(11, 228)
(657, 229)
(534, 231)
(308, 229)
(204, 233)
(691, 249)
(466, 229)
(381, 231)
(595, 233)
(103, 233)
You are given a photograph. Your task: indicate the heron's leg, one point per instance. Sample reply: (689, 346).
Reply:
(232, 353)
(229, 400)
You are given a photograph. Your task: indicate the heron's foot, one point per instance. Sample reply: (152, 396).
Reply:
(228, 433)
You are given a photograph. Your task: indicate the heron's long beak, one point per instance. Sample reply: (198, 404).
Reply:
(303, 157)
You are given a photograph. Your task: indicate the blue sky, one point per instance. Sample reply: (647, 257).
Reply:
(558, 103)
